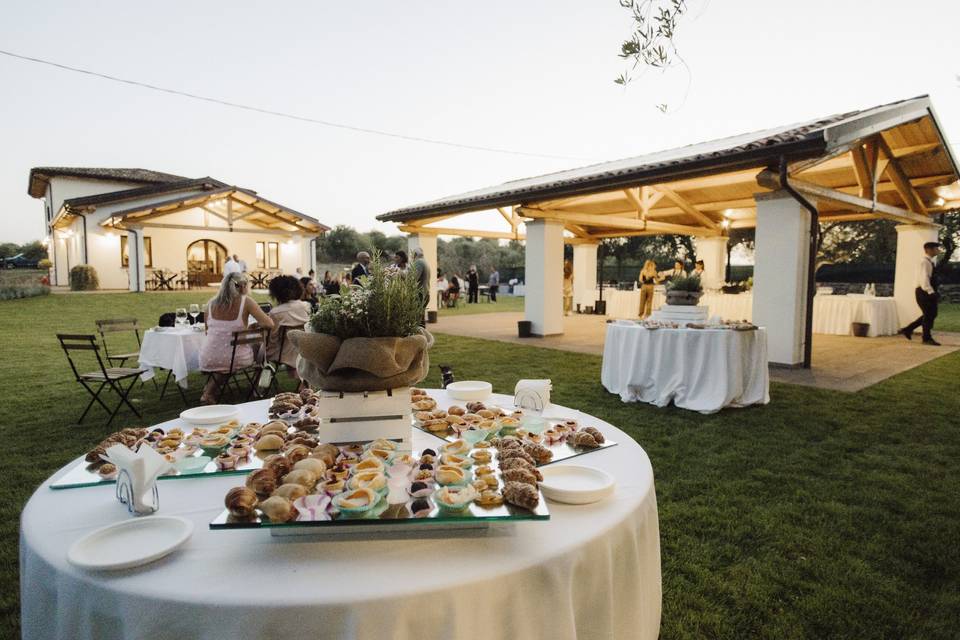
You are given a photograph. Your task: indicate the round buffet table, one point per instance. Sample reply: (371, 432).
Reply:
(173, 349)
(591, 571)
(699, 369)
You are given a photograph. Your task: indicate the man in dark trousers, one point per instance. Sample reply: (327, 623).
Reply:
(473, 285)
(927, 296)
(494, 282)
(360, 269)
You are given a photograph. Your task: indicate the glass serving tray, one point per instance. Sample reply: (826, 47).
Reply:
(398, 515)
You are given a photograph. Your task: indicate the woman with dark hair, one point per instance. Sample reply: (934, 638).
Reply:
(400, 259)
(308, 293)
(288, 311)
(330, 284)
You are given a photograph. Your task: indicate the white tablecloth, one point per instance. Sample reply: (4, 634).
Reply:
(177, 350)
(626, 304)
(699, 369)
(834, 314)
(591, 572)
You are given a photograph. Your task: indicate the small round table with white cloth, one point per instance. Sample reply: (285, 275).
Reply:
(174, 349)
(836, 314)
(703, 370)
(591, 571)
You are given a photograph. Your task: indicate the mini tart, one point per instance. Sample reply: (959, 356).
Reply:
(490, 498)
(447, 475)
(356, 501)
(420, 489)
(456, 410)
(333, 487)
(570, 425)
(481, 456)
(339, 471)
(454, 460)
(383, 443)
(384, 455)
(553, 435)
(486, 414)
(214, 440)
(424, 474)
(491, 481)
(352, 450)
(420, 508)
(374, 480)
(225, 461)
(483, 471)
(509, 422)
(107, 471)
(457, 446)
(407, 459)
(423, 416)
(436, 426)
(483, 444)
(369, 464)
(455, 498)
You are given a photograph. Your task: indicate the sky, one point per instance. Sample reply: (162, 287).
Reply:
(533, 76)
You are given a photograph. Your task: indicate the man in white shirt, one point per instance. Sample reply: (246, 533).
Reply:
(241, 263)
(231, 266)
(927, 296)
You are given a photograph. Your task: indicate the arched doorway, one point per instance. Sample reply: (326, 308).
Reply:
(205, 259)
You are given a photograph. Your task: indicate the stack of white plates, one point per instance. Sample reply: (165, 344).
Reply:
(575, 484)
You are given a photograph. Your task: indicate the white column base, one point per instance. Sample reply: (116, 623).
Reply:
(780, 275)
(584, 274)
(713, 251)
(543, 305)
(910, 239)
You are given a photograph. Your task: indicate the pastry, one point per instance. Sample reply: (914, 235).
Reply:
(486, 414)
(262, 481)
(378, 454)
(481, 456)
(214, 440)
(570, 425)
(584, 440)
(453, 420)
(508, 454)
(538, 452)
(240, 502)
(240, 450)
(509, 442)
(419, 489)
(427, 452)
(107, 471)
(278, 463)
(326, 452)
(595, 433)
(339, 471)
(290, 491)
(491, 480)
(456, 411)
(455, 498)
(425, 404)
(473, 407)
(471, 418)
(521, 494)
(406, 459)
(424, 474)
(447, 474)
(490, 498)
(417, 392)
(479, 484)
(356, 500)
(553, 436)
(303, 477)
(269, 442)
(278, 509)
(436, 426)
(369, 464)
(333, 487)
(519, 475)
(374, 480)
(459, 447)
(420, 508)
(352, 450)
(297, 452)
(483, 471)
(454, 460)
(439, 414)
(423, 416)
(311, 464)
(383, 443)
(274, 427)
(225, 461)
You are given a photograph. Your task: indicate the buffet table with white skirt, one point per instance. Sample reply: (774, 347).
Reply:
(836, 314)
(590, 572)
(703, 370)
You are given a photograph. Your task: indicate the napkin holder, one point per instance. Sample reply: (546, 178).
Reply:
(137, 474)
(533, 395)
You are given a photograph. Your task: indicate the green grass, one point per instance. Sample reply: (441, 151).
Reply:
(503, 303)
(948, 318)
(821, 515)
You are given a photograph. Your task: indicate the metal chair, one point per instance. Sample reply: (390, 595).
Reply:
(278, 363)
(112, 377)
(118, 325)
(251, 372)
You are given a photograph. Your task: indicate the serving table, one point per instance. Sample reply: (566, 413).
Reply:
(591, 571)
(703, 370)
(835, 314)
(175, 349)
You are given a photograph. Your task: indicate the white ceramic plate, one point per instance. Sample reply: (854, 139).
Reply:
(210, 414)
(130, 543)
(575, 484)
(470, 390)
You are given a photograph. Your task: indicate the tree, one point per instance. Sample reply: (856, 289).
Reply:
(341, 244)
(34, 250)
(9, 249)
(950, 233)
(651, 43)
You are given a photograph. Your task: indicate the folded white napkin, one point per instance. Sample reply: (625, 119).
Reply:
(143, 467)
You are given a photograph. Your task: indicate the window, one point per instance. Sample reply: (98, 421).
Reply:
(261, 256)
(273, 255)
(147, 250)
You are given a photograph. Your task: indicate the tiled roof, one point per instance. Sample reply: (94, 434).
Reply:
(39, 176)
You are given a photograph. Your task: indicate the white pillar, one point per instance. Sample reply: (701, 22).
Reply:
(713, 251)
(543, 305)
(584, 274)
(780, 275)
(910, 239)
(428, 243)
(135, 260)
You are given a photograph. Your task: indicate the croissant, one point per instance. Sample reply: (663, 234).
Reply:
(262, 481)
(520, 475)
(278, 509)
(538, 452)
(297, 452)
(595, 433)
(584, 439)
(521, 494)
(290, 491)
(508, 454)
(277, 463)
(240, 502)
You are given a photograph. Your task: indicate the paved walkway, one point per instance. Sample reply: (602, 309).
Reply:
(843, 363)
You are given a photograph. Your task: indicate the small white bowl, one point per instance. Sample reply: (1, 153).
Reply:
(575, 484)
(470, 390)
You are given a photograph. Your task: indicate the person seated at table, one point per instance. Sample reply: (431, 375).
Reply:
(698, 269)
(228, 311)
(308, 293)
(648, 278)
(288, 311)
(443, 289)
(453, 291)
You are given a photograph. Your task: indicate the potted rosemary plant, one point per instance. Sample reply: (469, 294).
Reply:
(684, 290)
(367, 337)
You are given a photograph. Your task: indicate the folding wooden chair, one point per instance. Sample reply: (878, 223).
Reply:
(118, 325)
(112, 377)
(251, 372)
(278, 363)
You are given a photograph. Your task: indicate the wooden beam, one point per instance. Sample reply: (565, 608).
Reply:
(423, 221)
(770, 180)
(198, 228)
(861, 172)
(578, 231)
(273, 214)
(506, 216)
(688, 208)
(615, 222)
(467, 233)
(900, 179)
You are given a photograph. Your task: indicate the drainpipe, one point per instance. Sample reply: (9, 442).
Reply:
(811, 260)
(86, 256)
(134, 262)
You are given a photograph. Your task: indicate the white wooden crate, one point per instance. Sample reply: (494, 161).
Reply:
(353, 417)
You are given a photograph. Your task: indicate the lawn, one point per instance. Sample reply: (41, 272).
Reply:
(503, 303)
(821, 515)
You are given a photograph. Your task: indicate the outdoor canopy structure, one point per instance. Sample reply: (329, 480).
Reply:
(887, 162)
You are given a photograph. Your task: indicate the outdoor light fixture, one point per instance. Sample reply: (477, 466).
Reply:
(938, 202)
(726, 223)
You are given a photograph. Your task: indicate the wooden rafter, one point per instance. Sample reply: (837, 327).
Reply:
(578, 231)
(899, 178)
(467, 233)
(616, 222)
(688, 208)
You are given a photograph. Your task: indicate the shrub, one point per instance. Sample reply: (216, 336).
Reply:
(387, 304)
(12, 293)
(83, 277)
(685, 283)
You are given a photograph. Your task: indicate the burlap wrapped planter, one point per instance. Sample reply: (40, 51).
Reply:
(361, 364)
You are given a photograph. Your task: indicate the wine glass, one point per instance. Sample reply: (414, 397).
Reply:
(181, 316)
(194, 312)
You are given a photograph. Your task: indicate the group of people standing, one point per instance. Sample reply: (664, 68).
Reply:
(451, 289)
(650, 277)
